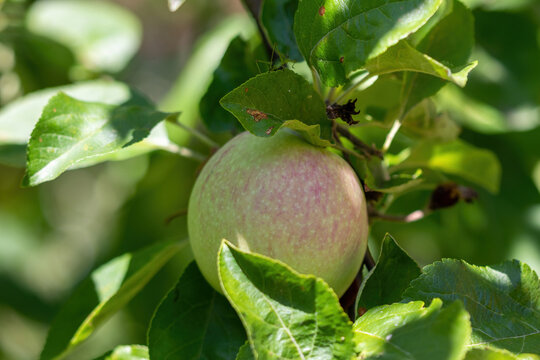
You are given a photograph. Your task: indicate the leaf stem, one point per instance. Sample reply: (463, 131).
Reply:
(199, 135)
(316, 81)
(364, 79)
(347, 151)
(412, 217)
(391, 135)
(183, 151)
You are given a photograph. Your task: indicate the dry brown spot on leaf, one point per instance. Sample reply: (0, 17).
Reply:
(322, 10)
(257, 115)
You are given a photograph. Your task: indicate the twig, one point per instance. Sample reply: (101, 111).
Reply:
(366, 149)
(347, 151)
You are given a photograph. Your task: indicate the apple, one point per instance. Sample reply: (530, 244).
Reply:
(284, 198)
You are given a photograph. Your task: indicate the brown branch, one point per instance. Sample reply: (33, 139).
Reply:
(365, 148)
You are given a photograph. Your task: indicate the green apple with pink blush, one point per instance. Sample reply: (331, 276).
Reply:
(284, 198)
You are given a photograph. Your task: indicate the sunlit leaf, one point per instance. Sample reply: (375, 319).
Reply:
(286, 315)
(411, 331)
(104, 36)
(448, 38)
(194, 321)
(487, 353)
(339, 37)
(477, 165)
(17, 119)
(105, 291)
(403, 57)
(127, 352)
(272, 100)
(71, 132)
(503, 300)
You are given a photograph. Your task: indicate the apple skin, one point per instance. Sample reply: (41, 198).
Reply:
(284, 198)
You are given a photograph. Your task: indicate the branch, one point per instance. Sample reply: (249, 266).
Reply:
(365, 148)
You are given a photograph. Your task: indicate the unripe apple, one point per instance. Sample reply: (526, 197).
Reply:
(284, 198)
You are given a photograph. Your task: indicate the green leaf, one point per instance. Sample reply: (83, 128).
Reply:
(410, 331)
(476, 165)
(102, 35)
(105, 291)
(398, 182)
(286, 315)
(470, 112)
(503, 300)
(389, 278)
(194, 321)
(127, 352)
(71, 133)
(238, 65)
(245, 352)
(340, 37)
(424, 121)
(403, 57)
(486, 353)
(277, 17)
(18, 118)
(272, 100)
(449, 40)
(499, 5)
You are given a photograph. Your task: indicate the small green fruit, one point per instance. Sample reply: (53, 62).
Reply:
(283, 198)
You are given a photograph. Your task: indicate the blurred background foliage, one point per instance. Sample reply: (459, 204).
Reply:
(51, 236)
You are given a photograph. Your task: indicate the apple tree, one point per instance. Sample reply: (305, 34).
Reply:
(322, 121)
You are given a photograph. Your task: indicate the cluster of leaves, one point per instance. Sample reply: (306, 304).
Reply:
(314, 57)
(447, 310)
